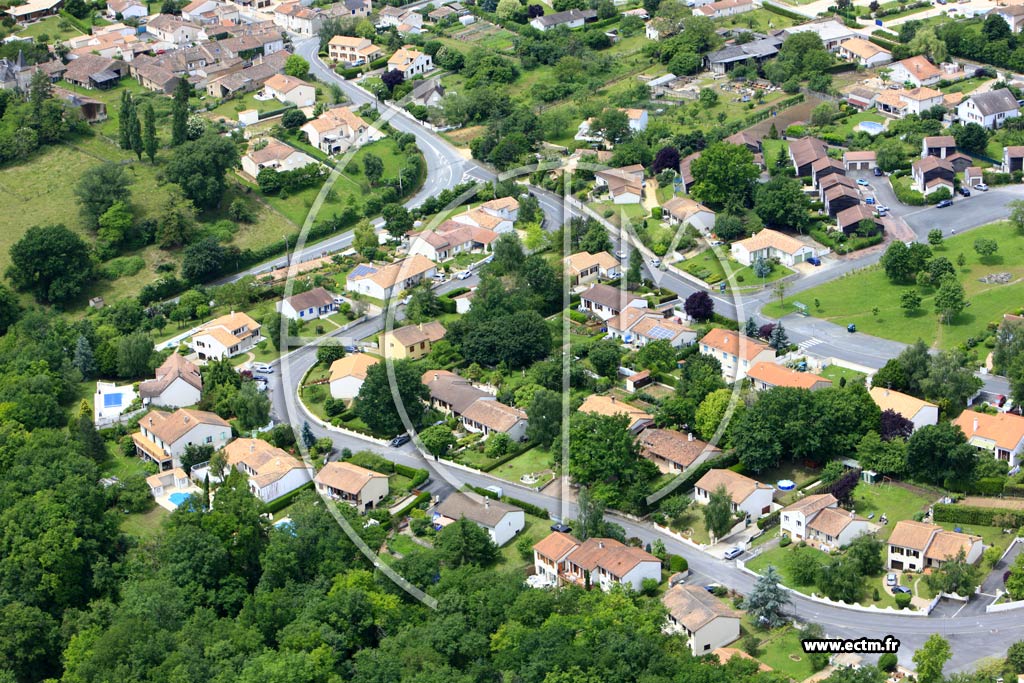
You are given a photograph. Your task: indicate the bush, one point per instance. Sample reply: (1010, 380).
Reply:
(285, 500)
(939, 195)
(908, 196)
(902, 600)
(966, 514)
(677, 563)
(751, 645)
(784, 541)
(887, 662)
(876, 596)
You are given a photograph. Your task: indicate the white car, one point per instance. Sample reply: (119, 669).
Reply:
(655, 262)
(464, 275)
(982, 187)
(262, 368)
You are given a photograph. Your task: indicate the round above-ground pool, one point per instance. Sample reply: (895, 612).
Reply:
(786, 485)
(177, 499)
(872, 127)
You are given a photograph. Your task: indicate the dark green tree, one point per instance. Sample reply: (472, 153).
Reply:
(375, 403)
(52, 263)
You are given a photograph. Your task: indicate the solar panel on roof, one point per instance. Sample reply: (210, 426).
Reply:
(361, 270)
(658, 332)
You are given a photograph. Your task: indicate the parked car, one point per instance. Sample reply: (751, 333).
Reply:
(561, 528)
(900, 589)
(981, 187)
(878, 172)
(869, 200)
(890, 579)
(733, 553)
(464, 275)
(881, 207)
(944, 203)
(851, 328)
(655, 262)
(400, 440)
(862, 181)
(262, 368)
(965, 192)
(814, 261)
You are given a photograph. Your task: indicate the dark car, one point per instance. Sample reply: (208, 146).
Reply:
(814, 261)
(900, 589)
(965, 192)
(944, 203)
(878, 172)
(561, 528)
(400, 440)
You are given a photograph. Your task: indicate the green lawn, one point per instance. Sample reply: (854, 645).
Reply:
(847, 125)
(56, 28)
(228, 109)
(965, 86)
(782, 651)
(757, 20)
(691, 525)
(403, 544)
(895, 502)
(532, 461)
(850, 299)
(708, 266)
(535, 529)
(836, 372)
(145, 525)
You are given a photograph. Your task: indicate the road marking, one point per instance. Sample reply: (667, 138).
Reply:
(808, 343)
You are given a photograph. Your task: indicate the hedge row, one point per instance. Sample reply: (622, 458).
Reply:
(908, 196)
(275, 112)
(841, 68)
(1014, 490)
(285, 500)
(415, 502)
(894, 37)
(996, 178)
(882, 43)
(417, 475)
(511, 455)
(528, 508)
(769, 521)
(966, 514)
(722, 462)
(782, 12)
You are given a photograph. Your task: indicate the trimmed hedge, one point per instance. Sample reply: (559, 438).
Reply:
(677, 563)
(996, 178)
(417, 475)
(989, 486)
(908, 196)
(882, 43)
(285, 500)
(528, 508)
(722, 462)
(511, 455)
(1013, 489)
(782, 12)
(966, 514)
(415, 502)
(841, 68)
(769, 521)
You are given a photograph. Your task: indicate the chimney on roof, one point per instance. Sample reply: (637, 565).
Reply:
(613, 399)
(150, 422)
(252, 446)
(487, 503)
(436, 375)
(689, 436)
(600, 544)
(726, 339)
(975, 424)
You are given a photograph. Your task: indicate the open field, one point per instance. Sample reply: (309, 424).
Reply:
(535, 529)
(56, 28)
(837, 372)
(709, 267)
(850, 299)
(895, 502)
(532, 461)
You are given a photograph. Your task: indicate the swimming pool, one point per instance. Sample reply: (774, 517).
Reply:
(112, 400)
(872, 127)
(177, 499)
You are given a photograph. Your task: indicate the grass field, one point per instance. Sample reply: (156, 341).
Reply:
(847, 125)
(709, 267)
(757, 20)
(535, 529)
(965, 86)
(54, 27)
(145, 525)
(836, 373)
(229, 109)
(532, 461)
(850, 299)
(895, 502)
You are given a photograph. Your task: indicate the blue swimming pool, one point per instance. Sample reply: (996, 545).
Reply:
(178, 498)
(872, 127)
(112, 400)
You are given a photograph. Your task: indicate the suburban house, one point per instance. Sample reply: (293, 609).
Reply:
(494, 417)
(685, 211)
(748, 495)
(119, 10)
(746, 139)
(686, 171)
(839, 196)
(35, 10)
(356, 8)
(1013, 15)
(450, 239)
(175, 30)
(834, 528)
(481, 217)
(771, 244)
(294, 17)
(849, 220)
(309, 305)
(248, 79)
(765, 375)
(169, 481)
(823, 167)
(974, 175)
(177, 384)
(163, 437)
(862, 98)
(794, 518)
(737, 353)
(724, 8)
(411, 342)
(353, 51)
(832, 33)
(338, 129)
(864, 52)
(383, 282)
(758, 51)
(428, 93)
(94, 72)
(152, 76)
(917, 71)
(271, 472)
(349, 373)
(1001, 434)
(638, 327)
(625, 185)
(275, 155)
(940, 146)
(361, 488)
(931, 173)
(226, 336)
(989, 109)
(573, 18)
(805, 151)
(584, 267)
(603, 562)
(290, 90)
(500, 520)
(605, 301)
(673, 451)
(410, 62)
(451, 394)
(915, 546)
(707, 622)
(829, 182)
(1013, 160)
(864, 160)
(195, 10)
(920, 412)
(609, 406)
(901, 102)
(404, 21)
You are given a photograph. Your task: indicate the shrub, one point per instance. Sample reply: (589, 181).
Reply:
(649, 587)
(677, 563)
(751, 645)
(887, 662)
(875, 595)
(785, 541)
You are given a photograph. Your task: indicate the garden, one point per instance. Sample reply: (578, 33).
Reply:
(708, 266)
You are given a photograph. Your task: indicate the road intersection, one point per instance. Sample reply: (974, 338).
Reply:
(972, 637)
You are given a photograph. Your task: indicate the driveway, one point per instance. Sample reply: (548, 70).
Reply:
(994, 581)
